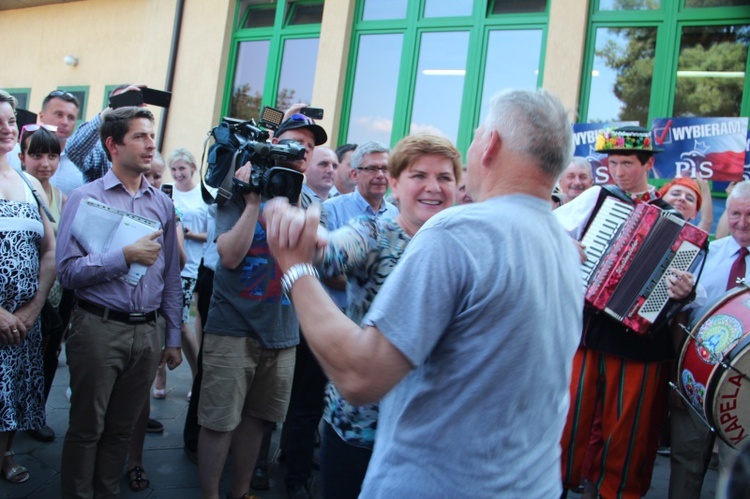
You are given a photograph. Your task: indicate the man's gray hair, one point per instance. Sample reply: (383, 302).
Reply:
(536, 124)
(580, 161)
(740, 191)
(370, 147)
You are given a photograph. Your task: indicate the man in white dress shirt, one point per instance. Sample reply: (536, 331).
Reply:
(691, 439)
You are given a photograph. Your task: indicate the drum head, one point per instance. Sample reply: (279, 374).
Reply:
(729, 393)
(715, 335)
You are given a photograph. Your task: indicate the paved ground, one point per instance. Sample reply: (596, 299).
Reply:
(171, 473)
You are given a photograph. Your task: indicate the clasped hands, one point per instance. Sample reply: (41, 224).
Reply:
(293, 235)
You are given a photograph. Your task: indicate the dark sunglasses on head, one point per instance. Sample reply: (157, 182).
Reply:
(61, 93)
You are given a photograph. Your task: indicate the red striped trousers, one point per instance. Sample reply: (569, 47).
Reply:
(627, 399)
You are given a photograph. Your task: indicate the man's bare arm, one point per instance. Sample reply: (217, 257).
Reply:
(234, 244)
(362, 363)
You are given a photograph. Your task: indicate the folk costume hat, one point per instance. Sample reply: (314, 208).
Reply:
(626, 140)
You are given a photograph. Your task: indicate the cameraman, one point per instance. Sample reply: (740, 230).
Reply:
(251, 332)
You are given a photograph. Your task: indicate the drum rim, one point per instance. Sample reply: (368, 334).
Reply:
(743, 288)
(713, 382)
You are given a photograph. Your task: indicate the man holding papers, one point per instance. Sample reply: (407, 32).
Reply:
(115, 343)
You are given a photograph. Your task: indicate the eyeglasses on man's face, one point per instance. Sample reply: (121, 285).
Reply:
(374, 169)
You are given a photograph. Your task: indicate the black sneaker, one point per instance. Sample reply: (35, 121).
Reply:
(43, 434)
(154, 426)
(260, 479)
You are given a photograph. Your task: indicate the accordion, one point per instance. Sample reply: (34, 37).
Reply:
(630, 251)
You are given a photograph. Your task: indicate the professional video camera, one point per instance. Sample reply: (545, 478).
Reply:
(238, 142)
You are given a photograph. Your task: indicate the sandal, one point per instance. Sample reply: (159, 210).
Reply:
(136, 479)
(17, 473)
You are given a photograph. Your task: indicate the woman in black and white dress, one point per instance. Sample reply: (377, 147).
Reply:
(27, 270)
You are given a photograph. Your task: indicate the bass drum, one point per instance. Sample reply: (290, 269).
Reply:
(714, 367)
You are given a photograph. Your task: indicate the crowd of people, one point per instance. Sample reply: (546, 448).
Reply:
(429, 313)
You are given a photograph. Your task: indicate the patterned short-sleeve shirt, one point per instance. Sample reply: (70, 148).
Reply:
(366, 250)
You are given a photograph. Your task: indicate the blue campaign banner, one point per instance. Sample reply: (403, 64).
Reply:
(713, 148)
(584, 135)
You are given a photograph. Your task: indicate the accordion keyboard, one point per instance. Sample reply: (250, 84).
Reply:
(602, 229)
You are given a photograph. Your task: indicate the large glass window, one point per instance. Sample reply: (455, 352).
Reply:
(374, 91)
(520, 50)
(432, 65)
(274, 57)
(711, 70)
(297, 72)
(622, 73)
(249, 79)
(441, 71)
(649, 59)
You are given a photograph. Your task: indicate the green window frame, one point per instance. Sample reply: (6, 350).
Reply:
(479, 26)
(668, 20)
(82, 94)
(282, 30)
(22, 95)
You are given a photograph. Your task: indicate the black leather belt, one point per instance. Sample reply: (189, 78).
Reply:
(125, 318)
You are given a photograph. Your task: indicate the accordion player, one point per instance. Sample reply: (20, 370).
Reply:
(630, 250)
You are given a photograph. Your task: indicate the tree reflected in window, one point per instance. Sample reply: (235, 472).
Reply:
(711, 71)
(629, 4)
(297, 72)
(622, 74)
(249, 78)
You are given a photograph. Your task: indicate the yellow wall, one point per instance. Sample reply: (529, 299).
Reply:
(200, 73)
(124, 41)
(563, 60)
(330, 71)
(115, 41)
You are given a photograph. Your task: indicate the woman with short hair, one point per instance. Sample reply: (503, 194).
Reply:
(424, 171)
